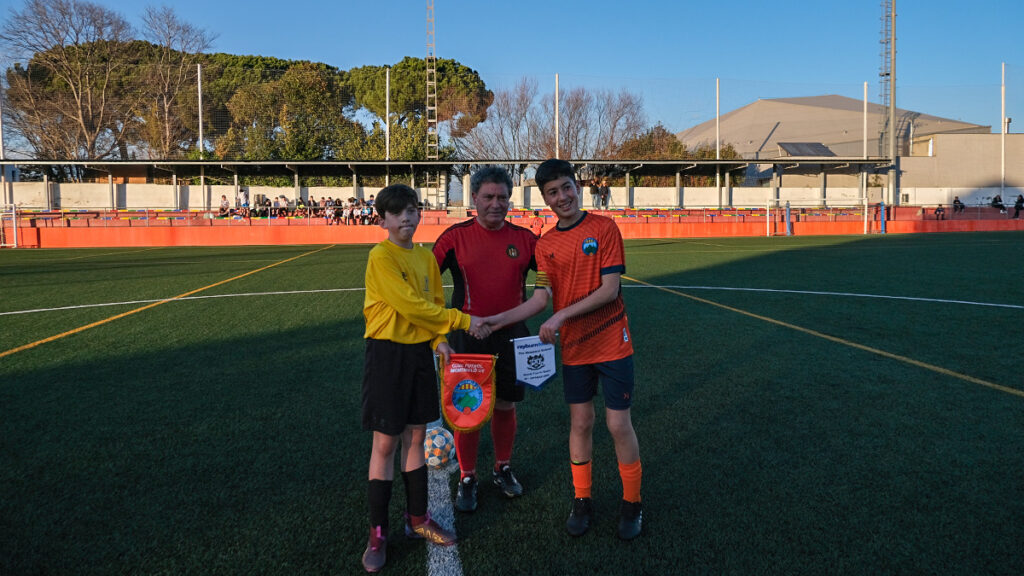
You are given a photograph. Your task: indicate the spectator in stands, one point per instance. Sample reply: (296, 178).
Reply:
(595, 192)
(245, 200)
(329, 214)
(958, 206)
(350, 215)
(225, 207)
(997, 202)
(537, 224)
(1018, 205)
(606, 193)
(300, 208)
(940, 212)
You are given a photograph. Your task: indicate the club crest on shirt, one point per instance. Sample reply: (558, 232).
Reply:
(590, 246)
(512, 251)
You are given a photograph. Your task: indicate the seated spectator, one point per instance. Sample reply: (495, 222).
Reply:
(958, 206)
(940, 213)
(329, 215)
(1018, 205)
(997, 202)
(225, 207)
(300, 207)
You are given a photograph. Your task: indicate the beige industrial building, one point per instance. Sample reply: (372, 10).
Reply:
(838, 122)
(937, 157)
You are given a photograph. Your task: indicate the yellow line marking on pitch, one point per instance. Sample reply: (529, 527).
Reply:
(153, 305)
(837, 340)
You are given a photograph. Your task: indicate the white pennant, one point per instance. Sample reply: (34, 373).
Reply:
(535, 361)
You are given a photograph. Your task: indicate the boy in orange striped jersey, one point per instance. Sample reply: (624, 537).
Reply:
(579, 264)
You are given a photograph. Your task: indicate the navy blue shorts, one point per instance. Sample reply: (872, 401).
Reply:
(616, 379)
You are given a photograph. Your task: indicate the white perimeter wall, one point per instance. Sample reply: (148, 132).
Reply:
(78, 196)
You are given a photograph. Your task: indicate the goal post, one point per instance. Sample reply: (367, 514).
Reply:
(779, 211)
(8, 226)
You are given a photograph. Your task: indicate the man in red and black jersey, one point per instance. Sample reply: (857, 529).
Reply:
(489, 259)
(579, 265)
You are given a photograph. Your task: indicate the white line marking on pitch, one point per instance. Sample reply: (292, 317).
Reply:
(846, 294)
(723, 288)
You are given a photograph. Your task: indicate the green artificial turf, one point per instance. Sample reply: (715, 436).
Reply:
(810, 429)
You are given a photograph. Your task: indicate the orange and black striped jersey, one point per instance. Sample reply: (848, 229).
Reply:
(571, 262)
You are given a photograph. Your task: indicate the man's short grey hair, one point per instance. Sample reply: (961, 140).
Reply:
(492, 174)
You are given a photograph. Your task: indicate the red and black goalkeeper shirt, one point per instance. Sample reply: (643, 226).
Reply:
(488, 267)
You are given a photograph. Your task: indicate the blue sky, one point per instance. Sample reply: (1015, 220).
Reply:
(948, 59)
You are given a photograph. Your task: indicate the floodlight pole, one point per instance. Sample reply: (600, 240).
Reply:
(863, 168)
(865, 120)
(3, 170)
(387, 123)
(199, 70)
(1002, 137)
(718, 141)
(556, 116)
(892, 107)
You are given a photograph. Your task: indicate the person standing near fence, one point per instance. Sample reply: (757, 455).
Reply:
(605, 193)
(489, 259)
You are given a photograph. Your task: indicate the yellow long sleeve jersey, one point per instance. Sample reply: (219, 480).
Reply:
(404, 299)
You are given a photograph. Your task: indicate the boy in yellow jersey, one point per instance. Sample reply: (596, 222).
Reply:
(405, 323)
(579, 264)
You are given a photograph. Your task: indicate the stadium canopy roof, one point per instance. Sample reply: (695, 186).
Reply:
(585, 167)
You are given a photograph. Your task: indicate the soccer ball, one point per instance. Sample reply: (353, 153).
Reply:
(439, 447)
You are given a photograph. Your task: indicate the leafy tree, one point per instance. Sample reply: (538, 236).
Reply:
(299, 116)
(656, 143)
(224, 75)
(462, 96)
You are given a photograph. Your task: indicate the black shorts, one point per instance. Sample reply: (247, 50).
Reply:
(499, 343)
(399, 386)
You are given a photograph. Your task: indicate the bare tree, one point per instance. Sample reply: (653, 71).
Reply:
(69, 100)
(520, 124)
(170, 111)
(511, 131)
(619, 117)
